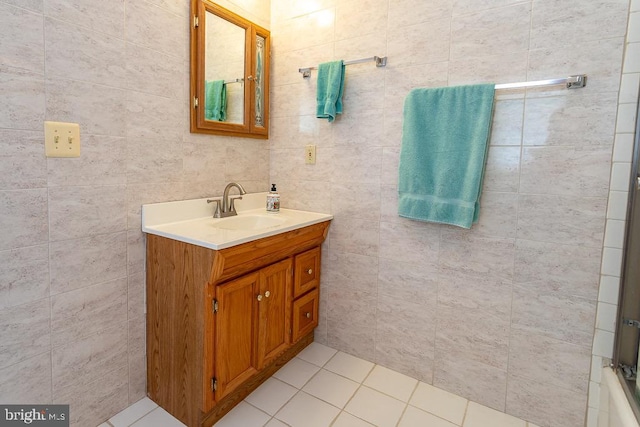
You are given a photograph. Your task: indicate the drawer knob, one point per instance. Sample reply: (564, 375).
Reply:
(259, 297)
(307, 315)
(309, 271)
(267, 294)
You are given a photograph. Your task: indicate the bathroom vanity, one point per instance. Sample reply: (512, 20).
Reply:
(229, 301)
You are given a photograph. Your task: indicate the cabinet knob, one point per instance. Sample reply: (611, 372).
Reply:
(259, 297)
(309, 271)
(267, 294)
(307, 315)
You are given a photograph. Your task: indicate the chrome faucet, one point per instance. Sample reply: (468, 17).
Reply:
(227, 208)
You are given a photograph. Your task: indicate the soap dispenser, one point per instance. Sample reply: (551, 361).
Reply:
(273, 200)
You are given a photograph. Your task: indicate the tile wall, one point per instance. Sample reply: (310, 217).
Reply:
(71, 249)
(503, 314)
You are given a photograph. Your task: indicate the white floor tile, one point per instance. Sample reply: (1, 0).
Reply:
(414, 417)
(439, 402)
(349, 366)
(345, 419)
(133, 413)
(243, 415)
(332, 388)
(375, 407)
(391, 382)
(307, 411)
(275, 423)
(104, 425)
(271, 395)
(317, 354)
(158, 417)
(296, 372)
(482, 416)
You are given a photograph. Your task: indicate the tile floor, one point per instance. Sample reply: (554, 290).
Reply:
(322, 387)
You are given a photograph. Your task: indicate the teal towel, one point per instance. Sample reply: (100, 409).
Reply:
(330, 87)
(445, 136)
(215, 99)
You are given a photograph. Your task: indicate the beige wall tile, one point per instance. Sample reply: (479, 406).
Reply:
(600, 59)
(22, 164)
(85, 360)
(103, 17)
(412, 243)
(25, 332)
(405, 337)
(544, 404)
(419, 44)
(25, 275)
(408, 282)
(477, 381)
(157, 29)
(562, 219)
(86, 211)
(96, 58)
(102, 161)
(504, 29)
(87, 261)
(96, 108)
(22, 35)
(578, 274)
(154, 73)
(565, 170)
(23, 215)
(354, 236)
(498, 214)
(94, 402)
(473, 335)
(464, 252)
(27, 381)
(24, 99)
(553, 315)
(86, 311)
(355, 272)
(554, 21)
(573, 119)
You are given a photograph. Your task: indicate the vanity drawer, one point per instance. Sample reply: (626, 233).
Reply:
(305, 314)
(307, 272)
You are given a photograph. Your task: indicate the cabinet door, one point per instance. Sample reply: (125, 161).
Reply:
(235, 328)
(274, 310)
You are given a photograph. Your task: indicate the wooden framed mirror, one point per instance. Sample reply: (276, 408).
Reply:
(229, 73)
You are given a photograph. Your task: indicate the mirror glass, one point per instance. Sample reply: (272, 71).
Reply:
(224, 70)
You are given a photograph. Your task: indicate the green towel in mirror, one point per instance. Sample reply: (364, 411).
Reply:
(215, 98)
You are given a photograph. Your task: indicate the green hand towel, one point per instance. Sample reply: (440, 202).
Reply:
(445, 136)
(330, 87)
(215, 99)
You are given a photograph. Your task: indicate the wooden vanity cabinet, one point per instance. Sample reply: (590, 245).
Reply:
(220, 322)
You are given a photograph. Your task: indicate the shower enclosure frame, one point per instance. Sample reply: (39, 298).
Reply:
(627, 337)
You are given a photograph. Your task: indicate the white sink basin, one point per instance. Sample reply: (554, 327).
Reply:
(191, 221)
(248, 222)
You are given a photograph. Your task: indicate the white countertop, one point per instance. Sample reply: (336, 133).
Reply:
(191, 221)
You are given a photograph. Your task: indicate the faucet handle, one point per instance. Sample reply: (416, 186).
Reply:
(216, 214)
(232, 207)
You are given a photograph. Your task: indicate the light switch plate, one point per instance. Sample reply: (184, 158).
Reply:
(310, 154)
(61, 139)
